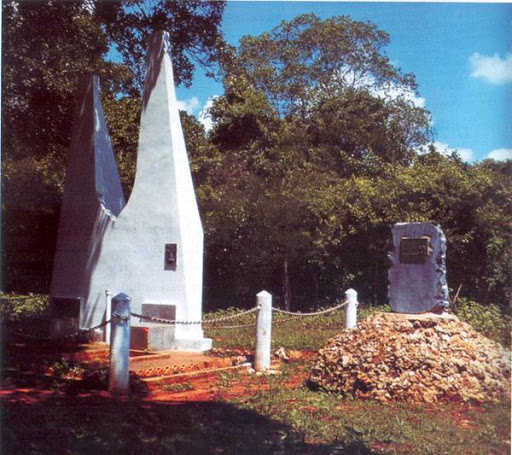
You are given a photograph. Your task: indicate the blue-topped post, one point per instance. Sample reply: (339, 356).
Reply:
(119, 379)
(263, 331)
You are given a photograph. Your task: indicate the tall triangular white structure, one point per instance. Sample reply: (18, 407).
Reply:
(153, 251)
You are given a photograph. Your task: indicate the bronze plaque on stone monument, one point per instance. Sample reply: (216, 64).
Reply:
(413, 251)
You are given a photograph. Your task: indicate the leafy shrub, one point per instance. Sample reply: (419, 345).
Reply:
(17, 308)
(64, 368)
(487, 319)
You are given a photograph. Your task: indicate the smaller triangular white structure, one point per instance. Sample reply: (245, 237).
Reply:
(92, 198)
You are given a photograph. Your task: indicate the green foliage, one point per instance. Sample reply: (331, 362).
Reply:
(297, 333)
(179, 387)
(123, 117)
(490, 320)
(20, 308)
(194, 28)
(311, 160)
(64, 368)
(313, 332)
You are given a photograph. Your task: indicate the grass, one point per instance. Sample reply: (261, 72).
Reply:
(299, 333)
(345, 425)
(386, 428)
(288, 332)
(180, 387)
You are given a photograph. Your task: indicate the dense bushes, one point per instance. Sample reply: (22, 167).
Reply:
(490, 320)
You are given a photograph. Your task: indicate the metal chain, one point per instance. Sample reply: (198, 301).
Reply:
(120, 316)
(231, 317)
(164, 321)
(99, 326)
(212, 321)
(316, 313)
(204, 322)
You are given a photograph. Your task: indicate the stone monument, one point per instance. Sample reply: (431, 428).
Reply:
(153, 249)
(417, 277)
(92, 198)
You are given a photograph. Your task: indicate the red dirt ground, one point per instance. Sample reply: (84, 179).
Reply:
(175, 377)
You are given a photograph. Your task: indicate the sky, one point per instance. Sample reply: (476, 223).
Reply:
(460, 53)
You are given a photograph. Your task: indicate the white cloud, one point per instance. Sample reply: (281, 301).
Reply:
(204, 116)
(388, 91)
(493, 69)
(393, 92)
(501, 154)
(189, 105)
(465, 154)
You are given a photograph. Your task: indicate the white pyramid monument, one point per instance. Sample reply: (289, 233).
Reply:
(153, 250)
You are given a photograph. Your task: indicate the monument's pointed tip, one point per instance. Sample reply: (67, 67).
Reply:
(159, 45)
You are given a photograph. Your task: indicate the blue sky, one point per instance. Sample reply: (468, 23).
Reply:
(461, 54)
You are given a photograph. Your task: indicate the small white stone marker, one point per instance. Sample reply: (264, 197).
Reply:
(263, 331)
(119, 377)
(351, 310)
(108, 312)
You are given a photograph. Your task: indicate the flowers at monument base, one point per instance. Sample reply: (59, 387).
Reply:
(429, 359)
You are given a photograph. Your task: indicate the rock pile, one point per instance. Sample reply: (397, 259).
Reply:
(417, 358)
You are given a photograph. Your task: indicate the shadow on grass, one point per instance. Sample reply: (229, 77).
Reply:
(101, 425)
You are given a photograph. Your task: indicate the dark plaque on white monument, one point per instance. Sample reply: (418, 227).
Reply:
(417, 277)
(413, 251)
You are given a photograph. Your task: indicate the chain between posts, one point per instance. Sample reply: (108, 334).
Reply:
(120, 316)
(204, 322)
(212, 321)
(316, 313)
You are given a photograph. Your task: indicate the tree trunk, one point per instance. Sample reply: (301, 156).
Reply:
(286, 285)
(317, 287)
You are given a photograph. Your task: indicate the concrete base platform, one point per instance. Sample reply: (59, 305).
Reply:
(160, 337)
(204, 344)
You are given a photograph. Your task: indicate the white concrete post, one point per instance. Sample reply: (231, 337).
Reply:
(351, 309)
(120, 345)
(108, 312)
(263, 331)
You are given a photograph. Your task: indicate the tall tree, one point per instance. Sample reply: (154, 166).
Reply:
(194, 25)
(336, 69)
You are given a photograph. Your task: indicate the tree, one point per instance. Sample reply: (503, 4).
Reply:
(335, 70)
(194, 26)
